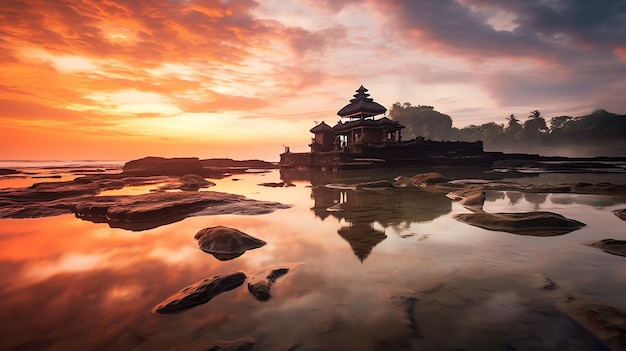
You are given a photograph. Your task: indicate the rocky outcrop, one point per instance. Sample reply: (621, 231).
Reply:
(612, 246)
(199, 293)
(147, 211)
(153, 166)
(260, 287)
(212, 168)
(226, 243)
(529, 223)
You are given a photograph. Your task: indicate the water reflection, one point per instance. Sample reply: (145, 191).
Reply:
(364, 210)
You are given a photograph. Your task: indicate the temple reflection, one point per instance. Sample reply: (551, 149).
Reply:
(390, 208)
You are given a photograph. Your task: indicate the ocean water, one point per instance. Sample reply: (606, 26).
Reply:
(368, 270)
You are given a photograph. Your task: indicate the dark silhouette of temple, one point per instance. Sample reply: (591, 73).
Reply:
(359, 140)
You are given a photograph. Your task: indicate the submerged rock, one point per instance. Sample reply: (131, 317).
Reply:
(529, 223)
(245, 344)
(605, 322)
(277, 185)
(612, 246)
(260, 288)
(199, 293)
(226, 243)
(621, 213)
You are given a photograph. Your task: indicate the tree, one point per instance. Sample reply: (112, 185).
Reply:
(535, 129)
(422, 121)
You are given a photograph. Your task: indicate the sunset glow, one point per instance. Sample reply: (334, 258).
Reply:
(115, 79)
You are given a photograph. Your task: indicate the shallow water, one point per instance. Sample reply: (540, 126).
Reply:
(391, 270)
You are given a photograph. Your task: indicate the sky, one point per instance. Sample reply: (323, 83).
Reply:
(124, 79)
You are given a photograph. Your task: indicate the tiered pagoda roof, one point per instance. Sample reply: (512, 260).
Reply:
(383, 122)
(322, 127)
(362, 106)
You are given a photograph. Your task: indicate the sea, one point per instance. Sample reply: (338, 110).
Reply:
(367, 269)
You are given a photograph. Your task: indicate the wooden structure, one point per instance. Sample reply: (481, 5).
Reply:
(360, 128)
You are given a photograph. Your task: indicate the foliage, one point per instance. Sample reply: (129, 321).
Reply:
(421, 120)
(601, 132)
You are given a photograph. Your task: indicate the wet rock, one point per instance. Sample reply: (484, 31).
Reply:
(48, 191)
(245, 344)
(377, 184)
(405, 301)
(260, 288)
(420, 180)
(621, 214)
(226, 243)
(529, 223)
(199, 293)
(607, 323)
(5, 171)
(472, 197)
(612, 246)
(147, 211)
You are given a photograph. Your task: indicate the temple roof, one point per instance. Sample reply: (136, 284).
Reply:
(361, 106)
(383, 122)
(322, 127)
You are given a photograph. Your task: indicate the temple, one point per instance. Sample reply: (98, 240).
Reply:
(359, 140)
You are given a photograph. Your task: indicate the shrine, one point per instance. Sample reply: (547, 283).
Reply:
(360, 140)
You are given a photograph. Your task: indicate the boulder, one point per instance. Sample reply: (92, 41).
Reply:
(529, 223)
(260, 288)
(226, 243)
(612, 246)
(199, 293)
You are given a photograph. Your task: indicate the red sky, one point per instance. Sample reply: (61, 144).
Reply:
(116, 79)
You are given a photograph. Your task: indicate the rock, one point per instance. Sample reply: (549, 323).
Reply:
(226, 243)
(245, 344)
(5, 171)
(607, 323)
(147, 211)
(405, 301)
(420, 180)
(154, 166)
(48, 191)
(277, 185)
(529, 223)
(193, 182)
(621, 214)
(260, 288)
(612, 246)
(242, 164)
(377, 184)
(199, 293)
(472, 197)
